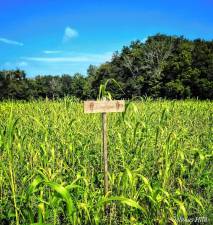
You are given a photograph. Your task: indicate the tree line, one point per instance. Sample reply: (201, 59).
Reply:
(171, 67)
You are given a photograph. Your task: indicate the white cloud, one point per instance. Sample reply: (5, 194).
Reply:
(68, 63)
(57, 59)
(10, 42)
(93, 58)
(69, 33)
(51, 51)
(19, 64)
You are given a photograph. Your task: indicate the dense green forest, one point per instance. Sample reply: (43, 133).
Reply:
(163, 67)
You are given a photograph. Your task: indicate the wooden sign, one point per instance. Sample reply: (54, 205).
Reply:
(104, 106)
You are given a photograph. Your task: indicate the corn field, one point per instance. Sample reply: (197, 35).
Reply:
(160, 163)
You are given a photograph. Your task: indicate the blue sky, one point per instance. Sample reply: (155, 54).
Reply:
(66, 36)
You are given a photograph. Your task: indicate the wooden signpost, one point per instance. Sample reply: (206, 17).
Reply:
(104, 107)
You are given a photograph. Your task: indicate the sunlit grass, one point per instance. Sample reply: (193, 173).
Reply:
(160, 160)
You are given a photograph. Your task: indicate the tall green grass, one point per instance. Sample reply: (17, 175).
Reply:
(160, 159)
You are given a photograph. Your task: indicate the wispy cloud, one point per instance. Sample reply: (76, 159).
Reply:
(95, 58)
(69, 33)
(12, 65)
(10, 42)
(58, 59)
(51, 51)
(66, 63)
